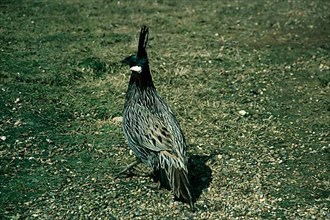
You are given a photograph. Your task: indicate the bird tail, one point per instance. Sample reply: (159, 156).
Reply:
(143, 40)
(176, 173)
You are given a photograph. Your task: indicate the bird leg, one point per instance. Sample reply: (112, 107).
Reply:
(156, 185)
(129, 167)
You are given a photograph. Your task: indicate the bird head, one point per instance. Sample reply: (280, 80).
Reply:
(139, 64)
(136, 63)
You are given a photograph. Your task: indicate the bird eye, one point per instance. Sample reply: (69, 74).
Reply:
(136, 69)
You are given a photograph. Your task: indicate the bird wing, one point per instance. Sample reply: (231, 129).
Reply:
(155, 131)
(158, 135)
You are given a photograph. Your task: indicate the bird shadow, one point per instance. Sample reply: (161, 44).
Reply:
(200, 174)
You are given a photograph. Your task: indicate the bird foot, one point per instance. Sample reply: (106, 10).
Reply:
(155, 185)
(127, 169)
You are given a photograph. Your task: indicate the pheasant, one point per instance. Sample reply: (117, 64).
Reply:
(151, 129)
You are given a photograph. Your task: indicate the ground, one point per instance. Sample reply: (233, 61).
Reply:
(248, 80)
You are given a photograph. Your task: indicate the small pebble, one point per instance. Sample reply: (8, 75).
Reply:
(117, 120)
(242, 112)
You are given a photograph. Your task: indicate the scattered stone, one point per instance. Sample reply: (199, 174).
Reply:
(117, 120)
(242, 112)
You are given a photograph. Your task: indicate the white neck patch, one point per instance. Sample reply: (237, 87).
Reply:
(137, 69)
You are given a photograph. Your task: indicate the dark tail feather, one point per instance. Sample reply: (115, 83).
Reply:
(177, 177)
(181, 186)
(143, 39)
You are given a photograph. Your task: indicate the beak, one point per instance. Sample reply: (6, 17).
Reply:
(125, 61)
